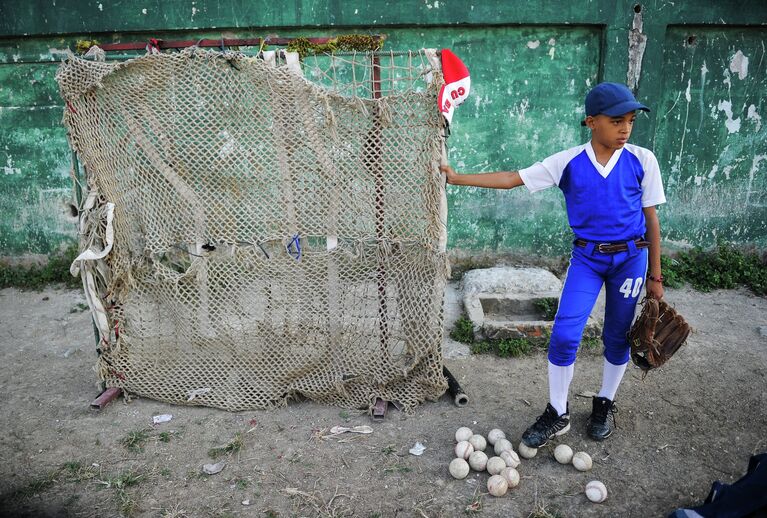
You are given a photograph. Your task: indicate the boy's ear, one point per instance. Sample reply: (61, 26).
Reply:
(588, 122)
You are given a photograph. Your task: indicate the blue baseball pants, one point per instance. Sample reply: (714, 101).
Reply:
(623, 275)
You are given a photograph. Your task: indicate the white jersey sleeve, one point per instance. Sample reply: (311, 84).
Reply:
(652, 185)
(548, 172)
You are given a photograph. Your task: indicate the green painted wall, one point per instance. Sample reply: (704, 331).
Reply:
(531, 65)
(710, 136)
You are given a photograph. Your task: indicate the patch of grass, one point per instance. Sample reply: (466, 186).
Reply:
(72, 471)
(475, 504)
(388, 450)
(79, 308)
(72, 466)
(165, 473)
(39, 485)
(76, 472)
(193, 474)
(128, 505)
(119, 483)
(481, 347)
(37, 277)
(510, 347)
(671, 272)
(33, 487)
(463, 331)
(514, 347)
(723, 267)
(345, 415)
(547, 306)
(124, 480)
(229, 449)
(591, 344)
(135, 440)
(174, 512)
(543, 511)
(241, 483)
(398, 468)
(344, 42)
(167, 436)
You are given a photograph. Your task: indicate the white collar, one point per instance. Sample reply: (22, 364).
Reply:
(603, 170)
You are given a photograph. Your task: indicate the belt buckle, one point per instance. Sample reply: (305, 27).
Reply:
(603, 250)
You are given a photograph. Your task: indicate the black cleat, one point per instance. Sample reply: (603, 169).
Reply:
(599, 427)
(548, 425)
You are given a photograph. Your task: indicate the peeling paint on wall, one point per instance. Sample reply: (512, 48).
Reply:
(752, 174)
(637, 44)
(705, 82)
(717, 188)
(754, 116)
(739, 65)
(732, 125)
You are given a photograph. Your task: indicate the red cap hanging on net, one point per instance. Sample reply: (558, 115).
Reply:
(457, 84)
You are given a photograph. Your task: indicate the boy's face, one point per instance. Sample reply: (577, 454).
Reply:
(611, 132)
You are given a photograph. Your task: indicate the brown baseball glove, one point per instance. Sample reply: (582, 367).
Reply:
(657, 334)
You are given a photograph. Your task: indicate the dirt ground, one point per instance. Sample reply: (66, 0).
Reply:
(696, 420)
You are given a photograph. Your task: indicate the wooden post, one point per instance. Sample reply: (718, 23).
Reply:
(379, 410)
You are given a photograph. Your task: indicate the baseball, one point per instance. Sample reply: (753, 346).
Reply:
(463, 449)
(478, 461)
(463, 434)
(512, 476)
(495, 435)
(495, 465)
(510, 457)
(502, 445)
(563, 453)
(526, 451)
(459, 468)
(478, 442)
(582, 461)
(596, 491)
(497, 485)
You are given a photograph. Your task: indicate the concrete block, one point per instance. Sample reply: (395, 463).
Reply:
(508, 302)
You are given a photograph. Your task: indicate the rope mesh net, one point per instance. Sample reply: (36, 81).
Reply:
(278, 227)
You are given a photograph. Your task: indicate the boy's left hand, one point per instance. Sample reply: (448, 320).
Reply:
(654, 289)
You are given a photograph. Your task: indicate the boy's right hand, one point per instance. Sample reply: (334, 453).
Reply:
(450, 174)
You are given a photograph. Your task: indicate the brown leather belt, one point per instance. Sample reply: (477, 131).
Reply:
(612, 248)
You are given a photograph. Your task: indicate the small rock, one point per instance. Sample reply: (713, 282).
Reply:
(212, 469)
(763, 331)
(453, 350)
(246, 502)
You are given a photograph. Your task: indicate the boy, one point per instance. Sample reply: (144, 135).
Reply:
(611, 189)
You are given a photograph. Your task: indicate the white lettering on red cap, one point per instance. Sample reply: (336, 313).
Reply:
(457, 84)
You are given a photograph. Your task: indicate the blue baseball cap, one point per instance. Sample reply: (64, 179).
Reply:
(611, 99)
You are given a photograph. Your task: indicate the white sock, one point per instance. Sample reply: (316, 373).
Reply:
(559, 386)
(611, 378)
